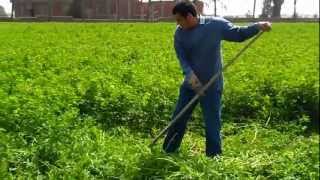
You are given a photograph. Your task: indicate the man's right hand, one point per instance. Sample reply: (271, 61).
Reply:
(264, 26)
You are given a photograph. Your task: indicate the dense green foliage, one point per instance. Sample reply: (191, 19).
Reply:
(83, 100)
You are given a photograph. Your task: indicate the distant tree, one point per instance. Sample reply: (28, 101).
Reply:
(248, 14)
(272, 8)
(266, 9)
(196, 3)
(276, 8)
(2, 12)
(211, 2)
(214, 2)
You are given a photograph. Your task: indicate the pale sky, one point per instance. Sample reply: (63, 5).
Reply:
(241, 7)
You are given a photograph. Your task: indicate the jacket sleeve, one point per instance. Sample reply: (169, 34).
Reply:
(234, 33)
(181, 55)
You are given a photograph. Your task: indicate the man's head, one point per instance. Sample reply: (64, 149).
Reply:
(185, 14)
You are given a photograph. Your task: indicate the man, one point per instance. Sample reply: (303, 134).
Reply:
(197, 42)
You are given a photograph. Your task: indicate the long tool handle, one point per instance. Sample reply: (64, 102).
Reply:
(204, 88)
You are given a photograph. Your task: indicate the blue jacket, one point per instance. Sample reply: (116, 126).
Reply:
(199, 49)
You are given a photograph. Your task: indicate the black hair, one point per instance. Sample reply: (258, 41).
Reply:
(184, 8)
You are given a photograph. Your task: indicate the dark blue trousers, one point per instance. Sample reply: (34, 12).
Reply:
(211, 108)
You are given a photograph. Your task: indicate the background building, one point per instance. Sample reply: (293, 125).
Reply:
(96, 9)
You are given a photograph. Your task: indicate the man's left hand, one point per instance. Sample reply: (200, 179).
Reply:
(196, 84)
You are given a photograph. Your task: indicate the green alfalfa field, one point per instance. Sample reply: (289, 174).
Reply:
(83, 101)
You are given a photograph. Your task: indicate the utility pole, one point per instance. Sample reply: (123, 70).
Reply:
(108, 9)
(150, 14)
(162, 8)
(149, 10)
(49, 9)
(152, 11)
(295, 9)
(129, 10)
(215, 7)
(118, 9)
(12, 8)
(83, 9)
(254, 8)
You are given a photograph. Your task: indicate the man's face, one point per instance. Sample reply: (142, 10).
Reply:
(184, 22)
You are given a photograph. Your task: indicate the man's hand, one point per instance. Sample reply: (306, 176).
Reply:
(264, 26)
(195, 83)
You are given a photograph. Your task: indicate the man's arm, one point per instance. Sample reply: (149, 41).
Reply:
(234, 33)
(181, 55)
(190, 77)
